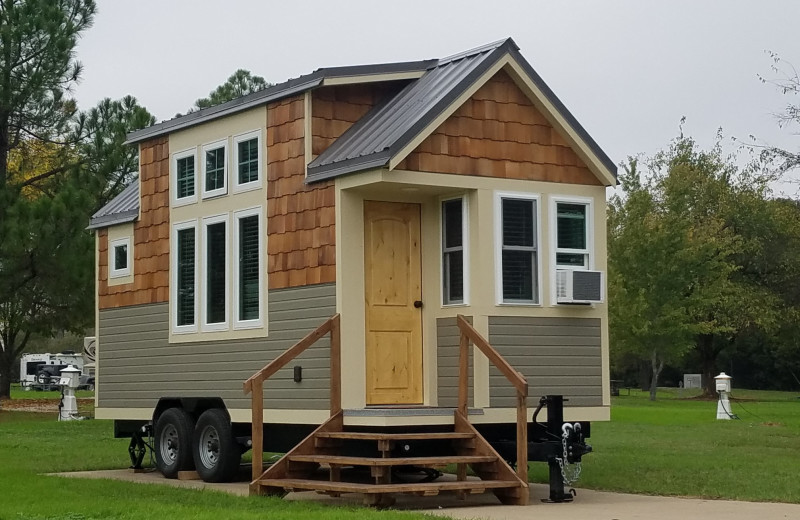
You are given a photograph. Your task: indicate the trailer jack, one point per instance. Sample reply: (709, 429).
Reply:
(561, 445)
(137, 448)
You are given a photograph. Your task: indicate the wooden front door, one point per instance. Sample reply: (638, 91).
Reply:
(393, 285)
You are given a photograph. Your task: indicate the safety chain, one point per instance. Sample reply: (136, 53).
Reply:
(568, 475)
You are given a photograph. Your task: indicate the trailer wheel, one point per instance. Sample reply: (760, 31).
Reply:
(216, 453)
(173, 442)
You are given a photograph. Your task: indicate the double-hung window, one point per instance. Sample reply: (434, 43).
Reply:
(183, 170)
(247, 161)
(184, 277)
(120, 258)
(517, 248)
(248, 274)
(454, 248)
(572, 234)
(215, 273)
(215, 169)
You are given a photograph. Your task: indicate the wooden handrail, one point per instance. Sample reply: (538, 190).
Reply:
(467, 335)
(255, 383)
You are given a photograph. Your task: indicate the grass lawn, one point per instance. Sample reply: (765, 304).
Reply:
(34, 443)
(675, 446)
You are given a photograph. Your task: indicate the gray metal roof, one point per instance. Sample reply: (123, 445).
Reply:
(122, 208)
(388, 128)
(274, 93)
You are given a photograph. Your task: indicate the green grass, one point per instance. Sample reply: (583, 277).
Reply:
(19, 393)
(32, 444)
(676, 446)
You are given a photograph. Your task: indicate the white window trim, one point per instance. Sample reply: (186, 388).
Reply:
(498, 246)
(215, 327)
(259, 322)
(208, 148)
(465, 250)
(192, 152)
(255, 134)
(568, 199)
(183, 329)
(113, 272)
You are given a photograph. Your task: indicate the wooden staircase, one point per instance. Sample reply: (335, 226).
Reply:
(328, 461)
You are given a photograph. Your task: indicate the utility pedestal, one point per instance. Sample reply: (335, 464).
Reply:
(724, 389)
(69, 382)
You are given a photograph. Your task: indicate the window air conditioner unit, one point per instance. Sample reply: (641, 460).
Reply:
(579, 286)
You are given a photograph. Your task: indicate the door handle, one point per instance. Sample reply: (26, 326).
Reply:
(418, 304)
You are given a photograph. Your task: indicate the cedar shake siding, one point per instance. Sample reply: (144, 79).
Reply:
(336, 109)
(499, 133)
(556, 356)
(150, 236)
(139, 365)
(300, 217)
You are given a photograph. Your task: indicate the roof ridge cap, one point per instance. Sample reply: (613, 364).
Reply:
(478, 50)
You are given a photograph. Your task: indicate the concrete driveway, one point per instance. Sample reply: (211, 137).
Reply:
(589, 505)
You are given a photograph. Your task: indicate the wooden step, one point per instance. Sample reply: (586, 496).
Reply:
(421, 436)
(423, 488)
(341, 460)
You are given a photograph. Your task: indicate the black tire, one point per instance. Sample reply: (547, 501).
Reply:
(43, 378)
(173, 442)
(216, 454)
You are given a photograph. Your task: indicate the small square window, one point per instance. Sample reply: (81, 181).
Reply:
(215, 170)
(247, 161)
(571, 235)
(119, 260)
(184, 177)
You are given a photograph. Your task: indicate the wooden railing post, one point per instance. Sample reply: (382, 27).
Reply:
(522, 436)
(255, 384)
(469, 335)
(336, 366)
(463, 370)
(257, 389)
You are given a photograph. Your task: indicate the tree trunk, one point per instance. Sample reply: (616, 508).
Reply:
(644, 375)
(656, 367)
(708, 360)
(6, 368)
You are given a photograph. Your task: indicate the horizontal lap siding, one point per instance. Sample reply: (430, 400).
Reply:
(447, 353)
(556, 356)
(138, 365)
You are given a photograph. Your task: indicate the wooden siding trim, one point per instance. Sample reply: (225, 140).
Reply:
(150, 236)
(301, 237)
(499, 132)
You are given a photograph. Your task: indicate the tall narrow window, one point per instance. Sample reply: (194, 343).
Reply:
(184, 173)
(185, 277)
(571, 235)
(215, 273)
(518, 250)
(249, 278)
(453, 251)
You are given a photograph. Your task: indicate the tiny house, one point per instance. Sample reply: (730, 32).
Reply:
(434, 229)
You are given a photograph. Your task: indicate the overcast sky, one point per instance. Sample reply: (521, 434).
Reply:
(628, 70)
